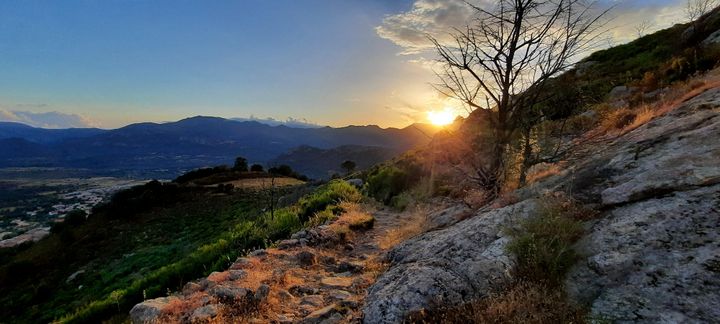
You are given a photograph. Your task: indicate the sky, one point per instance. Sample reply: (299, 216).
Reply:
(80, 63)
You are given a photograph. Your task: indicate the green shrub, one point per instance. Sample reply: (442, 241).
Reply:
(543, 245)
(402, 201)
(387, 182)
(282, 223)
(321, 217)
(331, 193)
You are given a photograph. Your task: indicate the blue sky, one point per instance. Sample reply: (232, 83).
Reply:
(115, 62)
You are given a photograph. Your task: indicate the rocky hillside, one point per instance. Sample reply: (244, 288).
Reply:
(651, 255)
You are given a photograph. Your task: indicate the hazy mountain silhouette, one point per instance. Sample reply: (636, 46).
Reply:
(152, 149)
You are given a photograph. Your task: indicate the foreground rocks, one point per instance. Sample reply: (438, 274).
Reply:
(309, 278)
(652, 256)
(446, 267)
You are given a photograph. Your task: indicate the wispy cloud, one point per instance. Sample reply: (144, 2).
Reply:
(52, 119)
(437, 18)
(410, 29)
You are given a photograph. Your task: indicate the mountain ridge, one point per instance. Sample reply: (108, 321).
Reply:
(166, 149)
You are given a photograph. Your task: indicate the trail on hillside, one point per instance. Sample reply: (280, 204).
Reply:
(319, 275)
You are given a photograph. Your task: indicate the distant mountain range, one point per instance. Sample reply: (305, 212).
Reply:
(167, 149)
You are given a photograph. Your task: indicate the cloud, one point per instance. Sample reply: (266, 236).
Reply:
(409, 30)
(437, 18)
(52, 119)
(289, 122)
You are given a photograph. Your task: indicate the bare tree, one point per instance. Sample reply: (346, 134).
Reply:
(507, 50)
(695, 9)
(642, 28)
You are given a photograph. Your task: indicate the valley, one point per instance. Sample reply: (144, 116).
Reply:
(32, 200)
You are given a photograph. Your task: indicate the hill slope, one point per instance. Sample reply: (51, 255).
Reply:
(323, 163)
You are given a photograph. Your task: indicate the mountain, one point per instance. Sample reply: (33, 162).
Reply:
(167, 149)
(322, 163)
(43, 135)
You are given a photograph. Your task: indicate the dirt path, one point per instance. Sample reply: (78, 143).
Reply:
(319, 275)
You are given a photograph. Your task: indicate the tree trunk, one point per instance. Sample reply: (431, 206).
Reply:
(527, 157)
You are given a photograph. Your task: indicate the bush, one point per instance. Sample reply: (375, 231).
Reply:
(286, 171)
(402, 201)
(387, 182)
(543, 245)
(282, 223)
(332, 193)
(240, 164)
(321, 217)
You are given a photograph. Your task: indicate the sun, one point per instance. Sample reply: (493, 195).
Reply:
(440, 117)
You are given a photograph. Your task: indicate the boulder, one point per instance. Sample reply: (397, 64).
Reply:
(305, 258)
(236, 274)
(303, 290)
(149, 310)
(323, 315)
(203, 314)
(230, 293)
(191, 287)
(261, 293)
(339, 294)
(449, 266)
(241, 263)
(259, 252)
(287, 244)
(313, 300)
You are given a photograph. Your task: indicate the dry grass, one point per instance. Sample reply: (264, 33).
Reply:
(176, 308)
(623, 120)
(475, 198)
(544, 170)
(642, 116)
(416, 223)
(374, 267)
(355, 217)
(617, 120)
(521, 303)
(219, 277)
